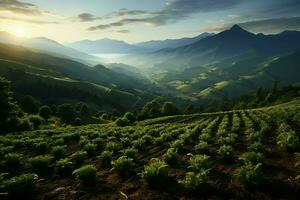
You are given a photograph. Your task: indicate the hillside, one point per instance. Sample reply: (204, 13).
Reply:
(237, 154)
(54, 80)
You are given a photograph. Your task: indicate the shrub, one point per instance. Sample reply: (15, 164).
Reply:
(252, 157)
(63, 167)
(45, 112)
(202, 147)
(195, 181)
(41, 147)
(40, 164)
(58, 151)
(36, 121)
(130, 152)
(257, 147)
(155, 174)
(123, 165)
(21, 187)
(106, 158)
(199, 162)
(90, 148)
(226, 152)
(13, 161)
(79, 157)
(130, 117)
(250, 174)
(122, 122)
(177, 144)
(171, 156)
(139, 144)
(205, 137)
(111, 146)
(87, 175)
(288, 140)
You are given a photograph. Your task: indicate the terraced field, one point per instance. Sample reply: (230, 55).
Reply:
(243, 154)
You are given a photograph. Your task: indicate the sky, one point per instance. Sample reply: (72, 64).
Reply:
(142, 20)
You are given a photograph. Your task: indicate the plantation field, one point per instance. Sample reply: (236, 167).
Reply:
(242, 154)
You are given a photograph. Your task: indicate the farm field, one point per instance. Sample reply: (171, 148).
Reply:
(242, 154)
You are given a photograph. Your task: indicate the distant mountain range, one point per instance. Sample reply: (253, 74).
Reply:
(109, 46)
(156, 45)
(49, 46)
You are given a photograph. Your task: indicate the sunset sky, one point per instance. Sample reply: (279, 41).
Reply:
(141, 20)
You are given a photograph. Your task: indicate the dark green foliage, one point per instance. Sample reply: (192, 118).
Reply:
(130, 152)
(106, 158)
(90, 148)
(122, 121)
(169, 108)
(151, 110)
(21, 187)
(199, 162)
(40, 164)
(78, 121)
(196, 181)
(63, 167)
(226, 152)
(29, 104)
(202, 147)
(171, 156)
(123, 165)
(252, 157)
(9, 120)
(36, 121)
(287, 138)
(66, 113)
(45, 112)
(79, 157)
(86, 174)
(250, 174)
(58, 152)
(130, 117)
(13, 161)
(155, 174)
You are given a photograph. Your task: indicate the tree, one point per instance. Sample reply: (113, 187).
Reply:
(130, 117)
(66, 113)
(29, 104)
(9, 120)
(169, 108)
(45, 112)
(151, 110)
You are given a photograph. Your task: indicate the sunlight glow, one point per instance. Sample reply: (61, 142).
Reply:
(19, 31)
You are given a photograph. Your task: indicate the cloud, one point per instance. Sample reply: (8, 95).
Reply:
(33, 21)
(19, 7)
(172, 12)
(272, 25)
(121, 31)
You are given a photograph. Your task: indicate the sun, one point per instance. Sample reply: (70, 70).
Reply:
(19, 31)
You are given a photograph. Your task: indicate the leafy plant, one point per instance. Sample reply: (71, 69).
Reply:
(199, 162)
(106, 158)
(195, 181)
(226, 152)
(90, 148)
(171, 156)
(252, 157)
(123, 165)
(40, 164)
(250, 174)
(177, 144)
(87, 175)
(287, 138)
(13, 161)
(59, 151)
(79, 157)
(202, 147)
(21, 187)
(130, 152)
(63, 167)
(155, 174)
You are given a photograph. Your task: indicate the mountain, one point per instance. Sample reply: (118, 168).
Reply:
(104, 46)
(172, 43)
(50, 47)
(55, 80)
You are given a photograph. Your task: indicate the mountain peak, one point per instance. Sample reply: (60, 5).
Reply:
(236, 28)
